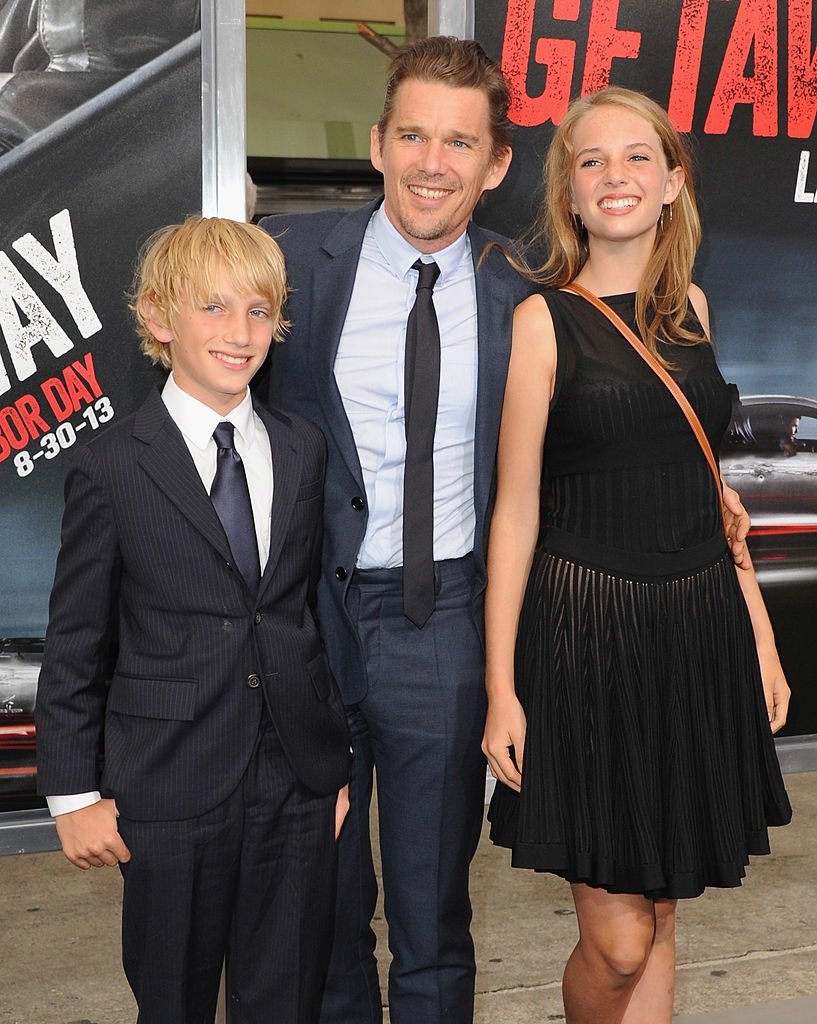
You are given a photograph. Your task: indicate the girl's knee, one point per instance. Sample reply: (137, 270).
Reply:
(624, 957)
(618, 932)
(626, 949)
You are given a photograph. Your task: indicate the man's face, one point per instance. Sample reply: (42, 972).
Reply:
(217, 347)
(435, 156)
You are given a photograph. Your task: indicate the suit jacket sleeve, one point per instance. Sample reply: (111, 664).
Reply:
(72, 687)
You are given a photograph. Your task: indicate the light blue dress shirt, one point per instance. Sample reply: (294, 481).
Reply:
(369, 370)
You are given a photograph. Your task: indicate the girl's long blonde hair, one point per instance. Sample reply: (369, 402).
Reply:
(661, 299)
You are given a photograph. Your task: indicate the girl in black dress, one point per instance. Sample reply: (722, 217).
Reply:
(632, 675)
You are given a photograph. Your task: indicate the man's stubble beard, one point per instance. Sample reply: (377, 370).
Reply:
(427, 234)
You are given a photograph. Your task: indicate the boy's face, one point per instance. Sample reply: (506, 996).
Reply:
(216, 348)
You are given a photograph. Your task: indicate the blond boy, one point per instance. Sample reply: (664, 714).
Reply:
(190, 548)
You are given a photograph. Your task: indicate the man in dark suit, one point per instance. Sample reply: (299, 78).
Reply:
(191, 538)
(412, 681)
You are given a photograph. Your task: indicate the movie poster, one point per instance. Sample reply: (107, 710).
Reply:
(741, 77)
(100, 144)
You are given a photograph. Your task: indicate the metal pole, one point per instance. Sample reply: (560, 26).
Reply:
(223, 108)
(451, 18)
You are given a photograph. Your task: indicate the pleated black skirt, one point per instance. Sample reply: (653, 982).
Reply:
(649, 764)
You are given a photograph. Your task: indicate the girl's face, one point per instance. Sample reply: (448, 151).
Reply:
(620, 179)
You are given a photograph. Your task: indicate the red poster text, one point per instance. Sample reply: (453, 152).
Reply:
(749, 62)
(31, 415)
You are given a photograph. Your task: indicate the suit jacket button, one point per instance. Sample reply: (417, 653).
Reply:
(257, 618)
(253, 681)
(341, 573)
(357, 503)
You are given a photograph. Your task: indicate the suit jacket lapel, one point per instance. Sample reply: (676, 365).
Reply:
(333, 282)
(168, 463)
(493, 346)
(287, 458)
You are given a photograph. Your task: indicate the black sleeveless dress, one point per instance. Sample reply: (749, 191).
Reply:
(649, 763)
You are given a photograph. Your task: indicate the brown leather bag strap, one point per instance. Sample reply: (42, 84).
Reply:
(661, 372)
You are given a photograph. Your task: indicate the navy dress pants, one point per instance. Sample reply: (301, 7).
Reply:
(418, 731)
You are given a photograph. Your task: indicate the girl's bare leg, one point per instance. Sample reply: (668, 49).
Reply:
(617, 935)
(653, 995)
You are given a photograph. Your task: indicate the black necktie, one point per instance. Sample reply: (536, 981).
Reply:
(422, 391)
(231, 499)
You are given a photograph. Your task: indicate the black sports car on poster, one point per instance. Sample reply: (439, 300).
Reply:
(770, 458)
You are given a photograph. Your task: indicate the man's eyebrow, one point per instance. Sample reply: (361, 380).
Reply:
(412, 129)
(465, 136)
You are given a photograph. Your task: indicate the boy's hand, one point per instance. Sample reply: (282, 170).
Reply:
(90, 838)
(341, 808)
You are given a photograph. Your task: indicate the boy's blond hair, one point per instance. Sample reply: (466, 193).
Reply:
(177, 266)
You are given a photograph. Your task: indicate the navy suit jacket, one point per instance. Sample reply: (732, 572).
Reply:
(145, 570)
(322, 251)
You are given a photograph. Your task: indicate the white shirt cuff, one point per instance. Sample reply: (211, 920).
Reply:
(74, 802)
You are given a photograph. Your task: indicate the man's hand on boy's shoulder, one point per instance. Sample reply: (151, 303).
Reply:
(90, 838)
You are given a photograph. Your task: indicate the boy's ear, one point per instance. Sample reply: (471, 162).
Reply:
(156, 322)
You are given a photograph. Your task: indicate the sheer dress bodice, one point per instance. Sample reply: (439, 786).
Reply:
(622, 467)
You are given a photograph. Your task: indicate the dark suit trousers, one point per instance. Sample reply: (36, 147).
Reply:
(253, 879)
(419, 728)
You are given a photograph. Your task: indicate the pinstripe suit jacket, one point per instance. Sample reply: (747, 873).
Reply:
(145, 570)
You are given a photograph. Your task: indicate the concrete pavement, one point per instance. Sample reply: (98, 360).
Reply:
(746, 956)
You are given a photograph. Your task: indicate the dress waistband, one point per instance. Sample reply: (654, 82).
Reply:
(634, 565)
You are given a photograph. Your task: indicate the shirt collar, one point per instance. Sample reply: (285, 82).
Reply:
(401, 255)
(197, 421)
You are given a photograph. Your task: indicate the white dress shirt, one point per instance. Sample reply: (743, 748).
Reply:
(197, 422)
(369, 370)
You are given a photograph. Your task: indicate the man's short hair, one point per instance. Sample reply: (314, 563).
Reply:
(460, 63)
(177, 266)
